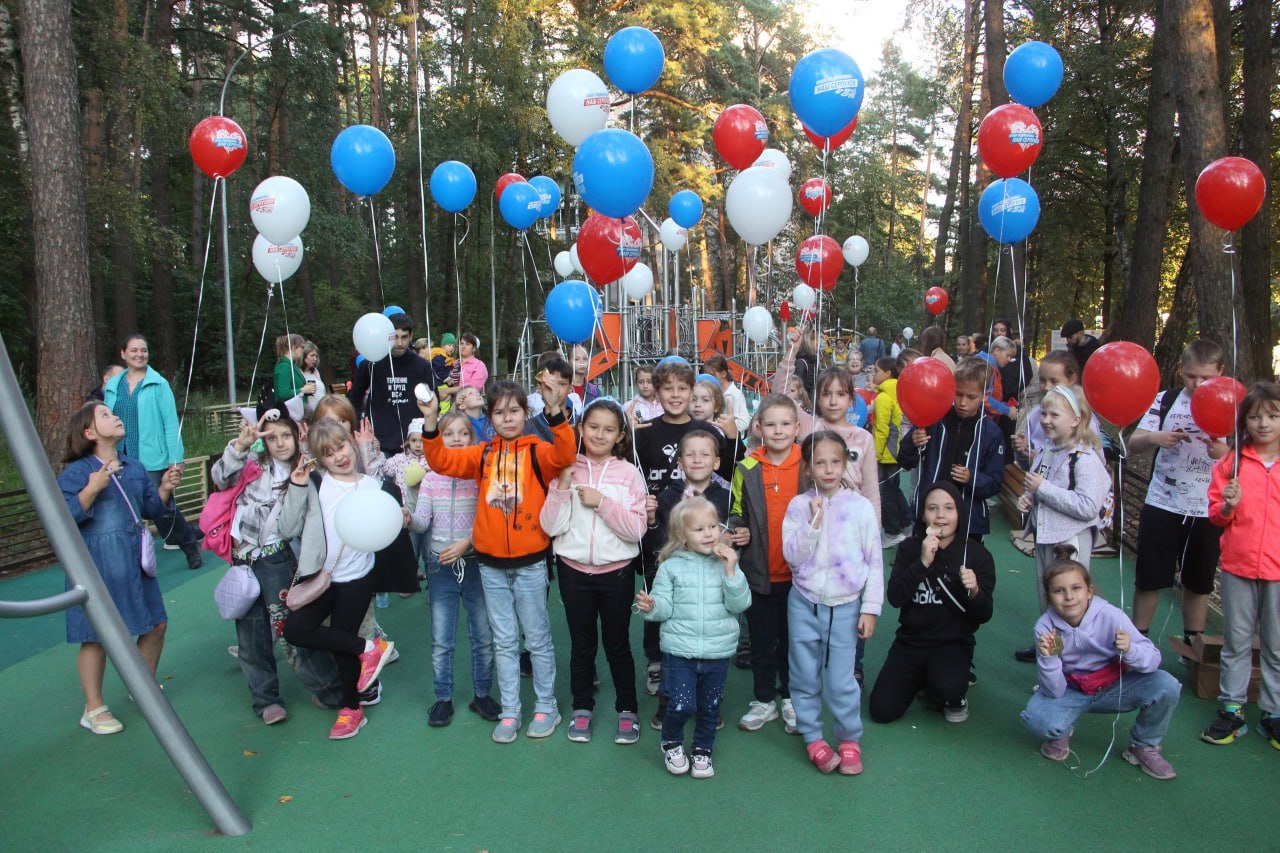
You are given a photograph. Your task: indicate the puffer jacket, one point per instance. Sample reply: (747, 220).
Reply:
(698, 606)
(1245, 546)
(605, 538)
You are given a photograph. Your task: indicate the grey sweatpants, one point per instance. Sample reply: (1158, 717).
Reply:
(1249, 606)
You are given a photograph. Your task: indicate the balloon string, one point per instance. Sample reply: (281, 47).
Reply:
(422, 189)
(1228, 249)
(457, 273)
(856, 284)
(533, 261)
(524, 331)
(284, 312)
(377, 253)
(195, 333)
(257, 359)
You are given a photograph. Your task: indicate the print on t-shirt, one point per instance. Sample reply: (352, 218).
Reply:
(1180, 474)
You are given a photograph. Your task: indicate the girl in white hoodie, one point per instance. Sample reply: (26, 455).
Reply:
(596, 515)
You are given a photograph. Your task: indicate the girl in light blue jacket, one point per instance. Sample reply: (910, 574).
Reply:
(696, 595)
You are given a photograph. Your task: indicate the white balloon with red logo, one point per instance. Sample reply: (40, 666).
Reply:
(276, 263)
(280, 208)
(672, 235)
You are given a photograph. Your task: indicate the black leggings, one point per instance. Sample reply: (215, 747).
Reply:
(603, 602)
(770, 647)
(941, 670)
(344, 605)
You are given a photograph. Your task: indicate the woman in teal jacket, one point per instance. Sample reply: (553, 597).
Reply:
(143, 399)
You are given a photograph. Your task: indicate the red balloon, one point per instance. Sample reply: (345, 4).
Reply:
(936, 300)
(1214, 405)
(608, 248)
(926, 391)
(505, 181)
(1009, 140)
(1229, 192)
(740, 134)
(815, 196)
(831, 143)
(1120, 381)
(818, 261)
(218, 146)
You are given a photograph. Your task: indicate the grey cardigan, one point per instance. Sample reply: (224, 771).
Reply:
(1058, 511)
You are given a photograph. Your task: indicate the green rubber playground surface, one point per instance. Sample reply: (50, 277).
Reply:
(400, 785)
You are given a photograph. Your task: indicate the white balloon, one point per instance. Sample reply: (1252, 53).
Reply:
(578, 105)
(573, 257)
(280, 209)
(856, 250)
(758, 203)
(638, 281)
(564, 264)
(757, 324)
(368, 519)
(373, 336)
(804, 297)
(276, 263)
(908, 333)
(772, 158)
(672, 235)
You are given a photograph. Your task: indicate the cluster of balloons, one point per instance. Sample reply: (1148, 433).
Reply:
(280, 208)
(1230, 191)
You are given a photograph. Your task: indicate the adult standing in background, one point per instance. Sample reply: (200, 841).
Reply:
(142, 399)
(474, 374)
(872, 348)
(964, 347)
(1079, 343)
(932, 343)
(389, 385)
(311, 373)
(899, 344)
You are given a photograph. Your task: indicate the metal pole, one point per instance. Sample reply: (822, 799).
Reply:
(226, 295)
(69, 547)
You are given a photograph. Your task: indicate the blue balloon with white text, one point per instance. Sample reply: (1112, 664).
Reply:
(613, 172)
(573, 310)
(548, 193)
(826, 91)
(1009, 210)
(520, 205)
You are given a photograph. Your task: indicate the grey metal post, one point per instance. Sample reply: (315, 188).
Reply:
(69, 547)
(226, 295)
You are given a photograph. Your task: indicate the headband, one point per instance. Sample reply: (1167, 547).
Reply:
(1066, 393)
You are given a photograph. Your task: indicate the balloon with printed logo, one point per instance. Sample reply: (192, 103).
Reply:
(564, 264)
(758, 204)
(1009, 210)
(926, 391)
(818, 261)
(453, 185)
(548, 193)
(830, 143)
(1230, 191)
(757, 324)
(739, 135)
(856, 250)
(373, 336)
(505, 181)
(672, 235)
(638, 281)
(772, 158)
(815, 196)
(218, 146)
(1120, 381)
(1033, 73)
(613, 172)
(1215, 404)
(367, 519)
(804, 297)
(573, 310)
(826, 91)
(392, 310)
(936, 300)
(1009, 140)
(280, 208)
(608, 247)
(520, 205)
(633, 59)
(363, 159)
(276, 263)
(685, 208)
(577, 105)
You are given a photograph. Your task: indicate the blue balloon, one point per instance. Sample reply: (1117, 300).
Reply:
(685, 208)
(675, 359)
(520, 205)
(857, 413)
(360, 360)
(363, 159)
(633, 59)
(453, 185)
(1009, 210)
(1033, 73)
(573, 309)
(393, 310)
(826, 91)
(548, 193)
(613, 171)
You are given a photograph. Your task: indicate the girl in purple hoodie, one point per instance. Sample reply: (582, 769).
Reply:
(1091, 659)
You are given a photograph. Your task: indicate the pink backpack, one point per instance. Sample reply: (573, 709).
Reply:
(220, 510)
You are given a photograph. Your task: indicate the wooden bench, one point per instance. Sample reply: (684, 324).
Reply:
(1010, 490)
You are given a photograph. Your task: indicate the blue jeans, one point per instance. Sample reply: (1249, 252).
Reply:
(1154, 694)
(421, 549)
(258, 631)
(446, 592)
(694, 686)
(517, 601)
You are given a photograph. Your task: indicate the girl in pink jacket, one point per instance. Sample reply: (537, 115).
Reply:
(596, 515)
(1250, 577)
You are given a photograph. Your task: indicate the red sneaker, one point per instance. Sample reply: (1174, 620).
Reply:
(850, 758)
(372, 662)
(350, 722)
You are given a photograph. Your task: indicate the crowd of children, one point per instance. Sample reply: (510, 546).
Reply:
(780, 516)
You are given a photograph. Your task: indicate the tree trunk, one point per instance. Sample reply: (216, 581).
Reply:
(120, 171)
(59, 224)
(1168, 350)
(959, 151)
(1255, 131)
(1136, 313)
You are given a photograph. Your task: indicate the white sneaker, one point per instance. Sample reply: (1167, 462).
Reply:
(702, 767)
(957, 714)
(653, 678)
(758, 713)
(674, 758)
(788, 712)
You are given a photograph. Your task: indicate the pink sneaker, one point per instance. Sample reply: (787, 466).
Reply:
(823, 756)
(350, 722)
(850, 758)
(1056, 749)
(372, 662)
(1151, 761)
